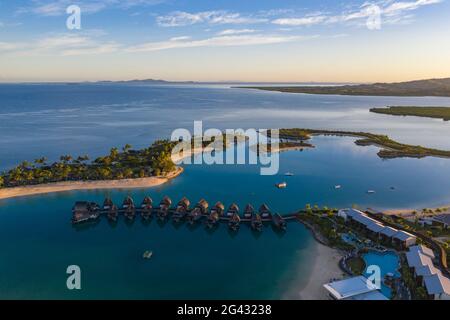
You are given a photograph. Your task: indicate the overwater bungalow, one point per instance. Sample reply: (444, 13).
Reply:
(218, 208)
(279, 221)
(84, 211)
(201, 209)
(233, 209)
(256, 223)
(248, 211)
(107, 204)
(216, 213)
(113, 213)
(265, 212)
(164, 206)
(234, 222)
(181, 209)
(146, 207)
(129, 207)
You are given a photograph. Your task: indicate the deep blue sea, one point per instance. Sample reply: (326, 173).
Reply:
(38, 241)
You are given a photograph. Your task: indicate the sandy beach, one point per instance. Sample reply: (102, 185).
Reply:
(88, 185)
(325, 266)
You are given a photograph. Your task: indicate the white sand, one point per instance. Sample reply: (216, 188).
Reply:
(88, 185)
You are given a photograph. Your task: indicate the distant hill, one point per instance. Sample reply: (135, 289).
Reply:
(430, 87)
(148, 81)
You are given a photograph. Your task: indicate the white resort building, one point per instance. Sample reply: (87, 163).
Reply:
(377, 230)
(420, 260)
(356, 288)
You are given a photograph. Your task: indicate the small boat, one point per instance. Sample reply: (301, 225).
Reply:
(371, 191)
(392, 188)
(265, 213)
(289, 174)
(147, 254)
(338, 186)
(279, 221)
(248, 211)
(281, 185)
(181, 210)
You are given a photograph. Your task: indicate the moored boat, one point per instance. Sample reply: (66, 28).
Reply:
(281, 185)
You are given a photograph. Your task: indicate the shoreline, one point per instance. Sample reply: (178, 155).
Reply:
(325, 266)
(56, 187)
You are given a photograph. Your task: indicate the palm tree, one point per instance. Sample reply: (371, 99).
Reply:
(2, 181)
(126, 148)
(114, 153)
(41, 161)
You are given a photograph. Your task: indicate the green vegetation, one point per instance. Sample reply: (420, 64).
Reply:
(431, 87)
(153, 161)
(428, 112)
(417, 292)
(324, 226)
(389, 147)
(357, 265)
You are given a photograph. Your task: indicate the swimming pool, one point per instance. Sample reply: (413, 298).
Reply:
(388, 262)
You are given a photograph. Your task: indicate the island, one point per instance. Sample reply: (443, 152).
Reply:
(417, 88)
(389, 148)
(427, 112)
(128, 168)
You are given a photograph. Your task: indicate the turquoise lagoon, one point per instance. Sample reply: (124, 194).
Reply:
(38, 241)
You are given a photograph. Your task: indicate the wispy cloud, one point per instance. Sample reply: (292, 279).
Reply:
(220, 41)
(229, 32)
(305, 21)
(181, 18)
(62, 45)
(58, 7)
(392, 11)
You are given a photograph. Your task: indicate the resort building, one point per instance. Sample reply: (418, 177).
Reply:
(357, 288)
(420, 261)
(442, 220)
(377, 230)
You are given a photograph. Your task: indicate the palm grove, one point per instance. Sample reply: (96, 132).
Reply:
(118, 164)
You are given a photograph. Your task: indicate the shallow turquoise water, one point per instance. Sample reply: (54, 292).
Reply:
(387, 262)
(38, 241)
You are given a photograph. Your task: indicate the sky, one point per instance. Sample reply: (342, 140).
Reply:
(225, 40)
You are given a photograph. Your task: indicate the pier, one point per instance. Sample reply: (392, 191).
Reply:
(84, 211)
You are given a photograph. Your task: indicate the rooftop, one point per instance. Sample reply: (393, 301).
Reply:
(357, 288)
